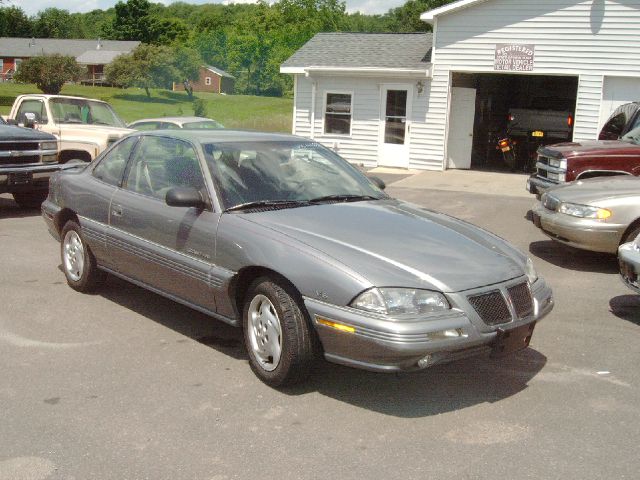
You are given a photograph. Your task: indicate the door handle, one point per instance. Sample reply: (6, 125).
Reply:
(116, 210)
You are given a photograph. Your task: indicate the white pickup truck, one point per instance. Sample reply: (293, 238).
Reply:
(83, 127)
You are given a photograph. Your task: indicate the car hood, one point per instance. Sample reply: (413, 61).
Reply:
(592, 190)
(393, 243)
(14, 133)
(593, 148)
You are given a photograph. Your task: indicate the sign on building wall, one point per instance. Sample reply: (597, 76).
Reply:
(514, 57)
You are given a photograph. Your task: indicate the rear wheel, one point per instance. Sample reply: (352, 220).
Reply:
(30, 199)
(277, 334)
(78, 262)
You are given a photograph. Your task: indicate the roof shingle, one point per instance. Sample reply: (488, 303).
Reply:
(364, 50)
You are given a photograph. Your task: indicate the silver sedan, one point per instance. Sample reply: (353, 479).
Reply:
(596, 214)
(281, 237)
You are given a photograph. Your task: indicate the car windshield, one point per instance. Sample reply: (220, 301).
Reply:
(88, 112)
(284, 173)
(632, 136)
(203, 124)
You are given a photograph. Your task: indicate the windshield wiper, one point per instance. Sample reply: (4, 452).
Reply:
(345, 197)
(268, 203)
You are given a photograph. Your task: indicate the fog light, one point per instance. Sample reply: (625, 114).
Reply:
(425, 362)
(444, 334)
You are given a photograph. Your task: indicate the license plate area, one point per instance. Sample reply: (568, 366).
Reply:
(20, 178)
(512, 340)
(505, 149)
(537, 133)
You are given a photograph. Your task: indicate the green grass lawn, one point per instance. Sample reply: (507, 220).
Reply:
(233, 111)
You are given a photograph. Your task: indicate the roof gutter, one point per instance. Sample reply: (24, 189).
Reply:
(363, 71)
(430, 16)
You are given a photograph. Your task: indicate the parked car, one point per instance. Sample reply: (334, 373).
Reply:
(84, 127)
(623, 119)
(546, 118)
(629, 260)
(27, 159)
(175, 122)
(565, 162)
(281, 236)
(596, 214)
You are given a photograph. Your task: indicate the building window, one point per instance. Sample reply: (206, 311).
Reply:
(207, 80)
(337, 113)
(2, 65)
(17, 62)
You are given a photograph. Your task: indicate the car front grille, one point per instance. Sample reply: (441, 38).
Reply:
(521, 299)
(492, 306)
(18, 146)
(543, 167)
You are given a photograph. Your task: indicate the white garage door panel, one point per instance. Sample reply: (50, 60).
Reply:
(617, 91)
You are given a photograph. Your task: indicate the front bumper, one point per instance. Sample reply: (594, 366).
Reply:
(583, 233)
(379, 344)
(629, 259)
(21, 178)
(538, 186)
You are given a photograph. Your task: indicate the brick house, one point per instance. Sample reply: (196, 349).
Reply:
(212, 80)
(94, 54)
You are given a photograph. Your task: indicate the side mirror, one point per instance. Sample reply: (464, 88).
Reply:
(184, 197)
(29, 120)
(378, 182)
(12, 121)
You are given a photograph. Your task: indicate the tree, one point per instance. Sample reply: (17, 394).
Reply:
(49, 72)
(14, 23)
(153, 66)
(55, 23)
(132, 21)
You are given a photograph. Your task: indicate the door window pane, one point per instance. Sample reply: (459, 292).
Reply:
(337, 116)
(396, 117)
(36, 107)
(160, 164)
(111, 167)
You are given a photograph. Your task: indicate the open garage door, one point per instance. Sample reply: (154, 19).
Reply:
(531, 110)
(617, 91)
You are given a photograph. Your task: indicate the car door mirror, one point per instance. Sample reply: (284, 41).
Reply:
(184, 197)
(12, 121)
(29, 120)
(377, 181)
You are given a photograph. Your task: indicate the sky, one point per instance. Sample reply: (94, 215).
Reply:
(32, 7)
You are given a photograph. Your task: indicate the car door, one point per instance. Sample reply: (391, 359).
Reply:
(95, 200)
(169, 249)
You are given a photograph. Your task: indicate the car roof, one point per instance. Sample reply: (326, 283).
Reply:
(179, 120)
(44, 95)
(222, 135)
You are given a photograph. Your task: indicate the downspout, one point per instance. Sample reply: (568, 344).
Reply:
(295, 104)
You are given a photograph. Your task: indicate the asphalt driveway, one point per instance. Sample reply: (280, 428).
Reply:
(126, 384)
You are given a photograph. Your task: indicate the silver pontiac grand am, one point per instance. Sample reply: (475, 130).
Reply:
(280, 236)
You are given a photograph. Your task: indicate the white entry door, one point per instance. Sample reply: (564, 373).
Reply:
(461, 116)
(395, 112)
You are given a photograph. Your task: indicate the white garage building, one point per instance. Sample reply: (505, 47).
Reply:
(428, 101)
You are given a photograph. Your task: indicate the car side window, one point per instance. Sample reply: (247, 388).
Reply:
(32, 106)
(162, 163)
(144, 126)
(111, 168)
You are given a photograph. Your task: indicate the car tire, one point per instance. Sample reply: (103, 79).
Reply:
(631, 235)
(30, 199)
(277, 334)
(78, 262)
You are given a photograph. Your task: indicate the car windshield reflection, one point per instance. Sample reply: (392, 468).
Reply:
(284, 175)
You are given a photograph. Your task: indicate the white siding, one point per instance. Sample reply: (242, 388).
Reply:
(587, 39)
(361, 147)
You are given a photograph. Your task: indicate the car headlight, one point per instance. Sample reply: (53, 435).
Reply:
(558, 177)
(558, 163)
(49, 145)
(584, 211)
(530, 271)
(400, 301)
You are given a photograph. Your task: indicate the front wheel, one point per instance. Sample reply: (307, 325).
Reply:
(277, 334)
(78, 263)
